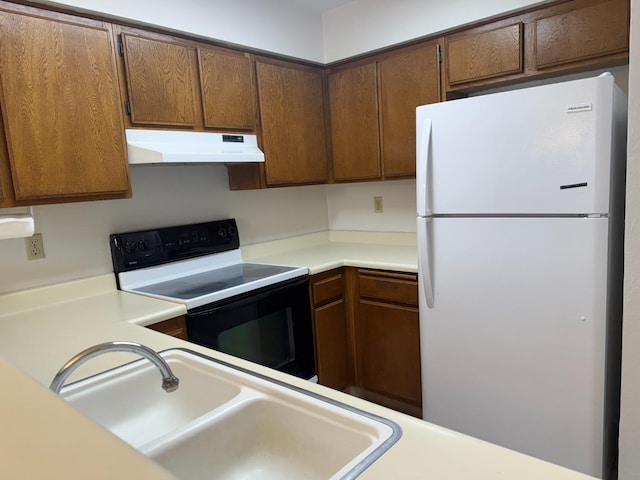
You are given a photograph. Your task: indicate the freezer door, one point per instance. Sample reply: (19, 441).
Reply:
(537, 150)
(513, 349)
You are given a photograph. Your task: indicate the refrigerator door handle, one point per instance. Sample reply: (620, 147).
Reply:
(423, 161)
(424, 259)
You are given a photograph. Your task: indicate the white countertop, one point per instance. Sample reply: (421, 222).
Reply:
(40, 329)
(326, 250)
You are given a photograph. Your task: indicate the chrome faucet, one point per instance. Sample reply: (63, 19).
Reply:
(169, 380)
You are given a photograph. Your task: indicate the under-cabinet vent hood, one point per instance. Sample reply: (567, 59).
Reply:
(16, 224)
(166, 147)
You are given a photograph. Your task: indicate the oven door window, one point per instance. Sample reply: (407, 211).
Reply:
(267, 340)
(271, 327)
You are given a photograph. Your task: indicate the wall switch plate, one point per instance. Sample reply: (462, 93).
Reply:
(377, 205)
(34, 246)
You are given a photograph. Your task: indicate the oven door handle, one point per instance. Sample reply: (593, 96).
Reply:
(246, 299)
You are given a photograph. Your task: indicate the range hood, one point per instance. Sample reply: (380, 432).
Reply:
(171, 147)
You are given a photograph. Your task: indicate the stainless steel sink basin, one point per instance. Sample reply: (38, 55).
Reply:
(228, 423)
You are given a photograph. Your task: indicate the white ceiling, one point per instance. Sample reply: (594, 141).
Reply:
(317, 5)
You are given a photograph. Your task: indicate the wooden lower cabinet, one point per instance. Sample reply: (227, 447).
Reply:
(367, 335)
(387, 339)
(176, 327)
(330, 328)
(331, 345)
(388, 346)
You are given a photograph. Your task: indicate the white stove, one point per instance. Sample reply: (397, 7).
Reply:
(191, 264)
(206, 279)
(259, 312)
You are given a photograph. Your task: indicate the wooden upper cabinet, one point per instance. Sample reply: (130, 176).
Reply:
(561, 38)
(485, 54)
(61, 109)
(228, 90)
(161, 81)
(596, 29)
(353, 110)
(406, 81)
(293, 123)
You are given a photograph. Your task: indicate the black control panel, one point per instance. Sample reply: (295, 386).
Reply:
(146, 248)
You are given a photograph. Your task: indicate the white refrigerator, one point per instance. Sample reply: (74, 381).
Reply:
(520, 200)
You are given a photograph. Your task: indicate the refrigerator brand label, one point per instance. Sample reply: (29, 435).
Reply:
(579, 107)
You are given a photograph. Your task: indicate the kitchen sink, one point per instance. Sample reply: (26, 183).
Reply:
(232, 422)
(129, 401)
(266, 439)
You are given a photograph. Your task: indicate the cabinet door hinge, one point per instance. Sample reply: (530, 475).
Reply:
(120, 48)
(439, 53)
(127, 107)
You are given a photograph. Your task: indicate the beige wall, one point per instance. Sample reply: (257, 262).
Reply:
(76, 235)
(629, 465)
(273, 26)
(365, 25)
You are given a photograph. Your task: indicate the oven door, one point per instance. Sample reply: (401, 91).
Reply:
(270, 326)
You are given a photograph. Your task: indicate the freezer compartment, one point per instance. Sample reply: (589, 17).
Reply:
(513, 346)
(539, 150)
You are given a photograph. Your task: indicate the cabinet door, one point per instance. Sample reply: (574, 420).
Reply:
(61, 108)
(331, 345)
(292, 122)
(406, 81)
(160, 81)
(176, 327)
(353, 109)
(485, 54)
(388, 338)
(594, 30)
(228, 93)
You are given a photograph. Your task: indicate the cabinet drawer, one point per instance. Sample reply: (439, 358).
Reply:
(391, 287)
(176, 327)
(328, 289)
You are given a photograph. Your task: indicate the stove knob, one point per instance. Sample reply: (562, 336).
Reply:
(129, 247)
(222, 232)
(232, 231)
(142, 245)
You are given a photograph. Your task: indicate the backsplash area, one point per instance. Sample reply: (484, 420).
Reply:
(350, 206)
(75, 235)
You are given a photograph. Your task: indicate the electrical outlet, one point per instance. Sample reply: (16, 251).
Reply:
(377, 205)
(35, 247)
